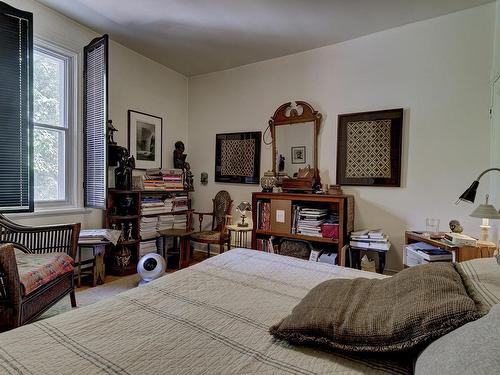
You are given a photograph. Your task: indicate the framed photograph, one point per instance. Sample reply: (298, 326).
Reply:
(144, 139)
(237, 157)
(299, 155)
(369, 146)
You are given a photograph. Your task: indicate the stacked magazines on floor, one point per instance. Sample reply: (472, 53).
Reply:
(422, 253)
(374, 240)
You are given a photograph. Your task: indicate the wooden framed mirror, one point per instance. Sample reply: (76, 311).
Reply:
(294, 129)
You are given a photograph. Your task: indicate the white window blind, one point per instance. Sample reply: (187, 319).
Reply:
(95, 102)
(16, 110)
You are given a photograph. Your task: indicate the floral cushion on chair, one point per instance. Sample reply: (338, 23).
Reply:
(36, 270)
(206, 236)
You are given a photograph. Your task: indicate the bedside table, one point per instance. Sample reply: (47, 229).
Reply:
(459, 254)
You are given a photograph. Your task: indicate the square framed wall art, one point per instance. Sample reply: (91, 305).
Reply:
(369, 146)
(144, 139)
(237, 157)
(299, 155)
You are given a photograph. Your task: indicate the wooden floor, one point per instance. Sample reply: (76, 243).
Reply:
(198, 256)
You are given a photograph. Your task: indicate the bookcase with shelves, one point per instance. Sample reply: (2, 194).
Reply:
(125, 211)
(275, 216)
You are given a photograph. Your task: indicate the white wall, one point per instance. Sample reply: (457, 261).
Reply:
(438, 70)
(135, 82)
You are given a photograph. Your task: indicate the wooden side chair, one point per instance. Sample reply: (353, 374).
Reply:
(40, 274)
(218, 235)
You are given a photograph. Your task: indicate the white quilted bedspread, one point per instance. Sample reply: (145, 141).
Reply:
(211, 318)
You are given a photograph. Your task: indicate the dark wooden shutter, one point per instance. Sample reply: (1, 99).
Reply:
(16, 110)
(95, 115)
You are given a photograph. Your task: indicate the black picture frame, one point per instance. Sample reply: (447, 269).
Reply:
(294, 158)
(360, 124)
(235, 178)
(156, 124)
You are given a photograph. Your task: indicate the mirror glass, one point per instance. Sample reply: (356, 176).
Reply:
(294, 148)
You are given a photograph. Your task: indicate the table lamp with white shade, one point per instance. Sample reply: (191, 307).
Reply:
(486, 212)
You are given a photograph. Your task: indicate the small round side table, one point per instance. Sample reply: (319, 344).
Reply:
(240, 234)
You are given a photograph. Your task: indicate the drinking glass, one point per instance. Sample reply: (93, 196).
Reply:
(431, 226)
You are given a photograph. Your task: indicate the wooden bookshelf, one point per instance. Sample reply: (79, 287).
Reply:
(117, 214)
(343, 205)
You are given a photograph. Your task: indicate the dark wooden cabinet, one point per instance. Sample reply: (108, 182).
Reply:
(341, 205)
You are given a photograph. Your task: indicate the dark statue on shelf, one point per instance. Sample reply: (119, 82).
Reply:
(123, 174)
(181, 163)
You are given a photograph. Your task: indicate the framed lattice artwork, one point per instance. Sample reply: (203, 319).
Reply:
(237, 157)
(369, 148)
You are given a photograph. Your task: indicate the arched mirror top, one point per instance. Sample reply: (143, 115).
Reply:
(294, 129)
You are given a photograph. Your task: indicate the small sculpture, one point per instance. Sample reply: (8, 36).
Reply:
(179, 155)
(123, 174)
(456, 227)
(110, 130)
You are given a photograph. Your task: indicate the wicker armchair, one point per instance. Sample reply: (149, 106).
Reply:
(218, 235)
(16, 308)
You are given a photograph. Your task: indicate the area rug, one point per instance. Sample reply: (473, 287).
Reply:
(88, 296)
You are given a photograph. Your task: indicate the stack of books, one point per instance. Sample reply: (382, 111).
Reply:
(159, 179)
(180, 203)
(309, 220)
(147, 227)
(179, 221)
(264, 215)
(165, 222)
(146, 247)
(153, 206)
(374, 240)
(266, 245)
(422, 253)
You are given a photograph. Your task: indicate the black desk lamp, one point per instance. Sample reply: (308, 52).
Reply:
(469, 195)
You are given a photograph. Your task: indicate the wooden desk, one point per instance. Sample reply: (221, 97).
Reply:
(459, 254)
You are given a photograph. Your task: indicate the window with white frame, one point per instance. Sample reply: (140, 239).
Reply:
(53, 115)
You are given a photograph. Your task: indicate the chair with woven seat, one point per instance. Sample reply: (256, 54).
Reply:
(218, 235)
(36, 269)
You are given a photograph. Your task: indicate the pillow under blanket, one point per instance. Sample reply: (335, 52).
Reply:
(398, 313)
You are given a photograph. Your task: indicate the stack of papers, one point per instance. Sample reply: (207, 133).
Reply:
(370, 240)
(91, 236)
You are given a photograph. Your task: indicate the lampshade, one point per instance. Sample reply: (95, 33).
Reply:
(485, 211)
(469, 195)
(244, 206)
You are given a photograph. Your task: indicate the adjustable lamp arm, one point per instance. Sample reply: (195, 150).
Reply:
(469, 195)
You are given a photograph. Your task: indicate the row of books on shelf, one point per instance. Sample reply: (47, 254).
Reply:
(163, 179)
(422, 253)
(305, 220)
(310, 221)
(156, 205)
(370, 240)
(266, 244)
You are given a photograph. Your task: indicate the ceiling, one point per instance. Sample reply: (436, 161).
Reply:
(201, 36)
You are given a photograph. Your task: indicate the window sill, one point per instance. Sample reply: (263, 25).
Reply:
(46, 211)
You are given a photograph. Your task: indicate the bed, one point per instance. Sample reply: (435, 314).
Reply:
(211, 318)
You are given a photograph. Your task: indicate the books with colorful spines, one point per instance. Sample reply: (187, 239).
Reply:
(265, 212)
